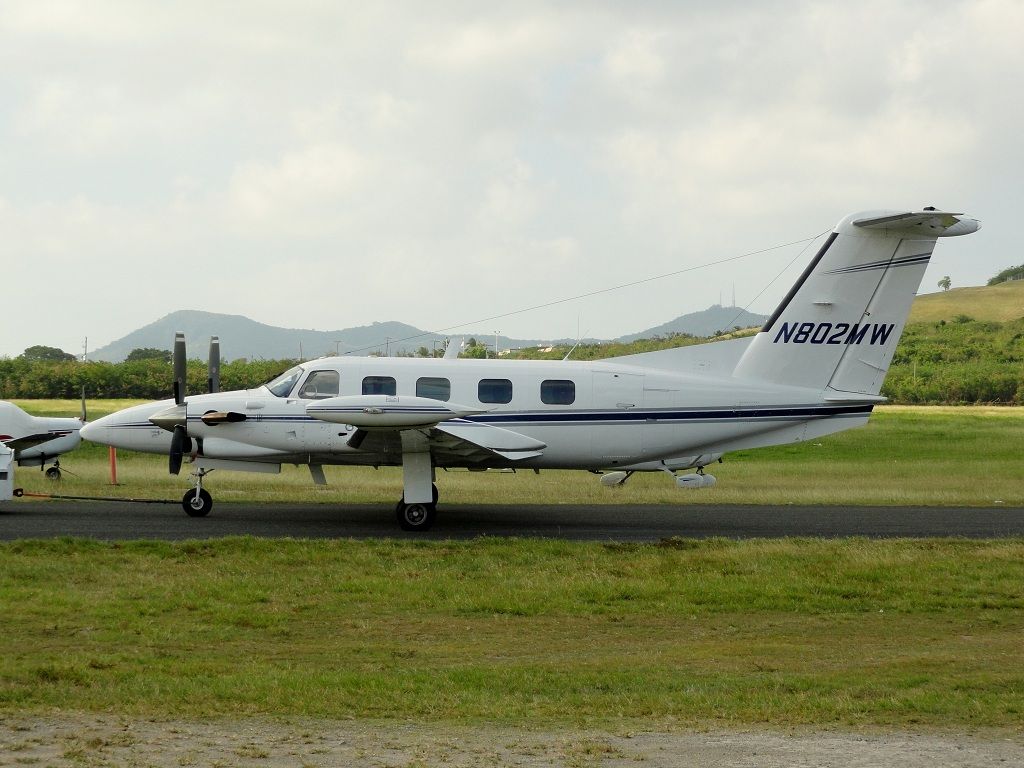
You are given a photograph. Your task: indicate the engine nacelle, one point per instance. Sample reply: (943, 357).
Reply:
(387, 411)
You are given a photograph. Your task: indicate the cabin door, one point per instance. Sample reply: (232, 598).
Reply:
(618, 423)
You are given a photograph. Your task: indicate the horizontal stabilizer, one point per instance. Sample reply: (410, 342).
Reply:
(927, 223)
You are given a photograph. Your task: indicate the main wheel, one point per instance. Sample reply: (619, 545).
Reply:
(53, 473)
(197, 506)
(415, 517)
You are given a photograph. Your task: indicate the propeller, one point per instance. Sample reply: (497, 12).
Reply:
(213, 371)
(175, 418)
(181, 444)
(83, 416)
(179, 368)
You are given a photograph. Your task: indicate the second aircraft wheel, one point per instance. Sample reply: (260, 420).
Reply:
(197, 506)
(415, 517)
(53, 473)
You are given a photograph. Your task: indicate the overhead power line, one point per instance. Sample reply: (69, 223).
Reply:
(588, 294)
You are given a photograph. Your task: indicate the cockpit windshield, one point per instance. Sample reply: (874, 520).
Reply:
(283, 384)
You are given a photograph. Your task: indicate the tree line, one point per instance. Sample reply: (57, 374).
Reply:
(961, 361)
(148, 379)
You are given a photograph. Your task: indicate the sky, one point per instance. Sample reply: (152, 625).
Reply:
(331, 164)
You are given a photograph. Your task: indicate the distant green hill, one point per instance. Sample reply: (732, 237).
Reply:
(998, 303)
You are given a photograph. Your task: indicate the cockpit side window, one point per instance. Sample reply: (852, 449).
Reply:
(319, 385)
(282, 385)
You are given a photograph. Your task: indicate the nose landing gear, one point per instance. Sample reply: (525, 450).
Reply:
(197, 502)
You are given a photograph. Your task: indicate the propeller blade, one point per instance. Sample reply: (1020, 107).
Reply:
(83, 417)
(179, 368)
(180, 445)
(213, 377)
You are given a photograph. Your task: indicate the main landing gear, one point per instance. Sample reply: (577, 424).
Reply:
(53, 473)
(417, 516)
(197, 502)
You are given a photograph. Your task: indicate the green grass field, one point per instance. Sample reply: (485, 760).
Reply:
(834, 633)
(778, 633)
(905, 455)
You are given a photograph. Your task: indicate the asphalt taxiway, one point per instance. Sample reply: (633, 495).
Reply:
(23, 518)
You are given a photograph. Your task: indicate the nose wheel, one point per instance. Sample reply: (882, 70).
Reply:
(197, 502)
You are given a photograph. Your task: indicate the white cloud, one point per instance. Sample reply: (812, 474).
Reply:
(334, 164)
(306, 192)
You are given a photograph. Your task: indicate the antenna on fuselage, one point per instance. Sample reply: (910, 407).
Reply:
(573, 349)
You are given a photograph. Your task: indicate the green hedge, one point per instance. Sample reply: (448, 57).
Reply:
(961, 361)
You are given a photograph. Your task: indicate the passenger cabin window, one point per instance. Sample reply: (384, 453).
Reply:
(434, 388)
(558, 392)
(320, 384)
(282, 385)
(379, 385)
(494, 391)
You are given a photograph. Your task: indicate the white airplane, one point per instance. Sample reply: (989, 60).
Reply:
(816, 367)
(38, 441)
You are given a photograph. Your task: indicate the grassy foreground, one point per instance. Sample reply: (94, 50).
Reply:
(529, 632)
(932, 455)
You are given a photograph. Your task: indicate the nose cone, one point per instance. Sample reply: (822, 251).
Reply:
(92, 431)
(99, 431)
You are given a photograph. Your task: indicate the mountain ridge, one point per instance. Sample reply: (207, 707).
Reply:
(243, 337)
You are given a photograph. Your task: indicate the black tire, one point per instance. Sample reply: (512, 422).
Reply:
(197, 506)
(53, 473)
(415, 517)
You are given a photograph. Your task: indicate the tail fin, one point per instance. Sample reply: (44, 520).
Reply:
(837, 328)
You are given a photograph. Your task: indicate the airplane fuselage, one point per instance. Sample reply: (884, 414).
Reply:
(815, 367)
(37, 440)
(587, 415)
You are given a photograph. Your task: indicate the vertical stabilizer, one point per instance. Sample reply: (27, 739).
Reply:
(838, 327)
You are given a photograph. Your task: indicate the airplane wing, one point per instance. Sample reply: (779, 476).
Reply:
(466, 441)
(477, 436)
(30, 441)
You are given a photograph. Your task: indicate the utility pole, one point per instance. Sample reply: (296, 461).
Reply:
(496, 343)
